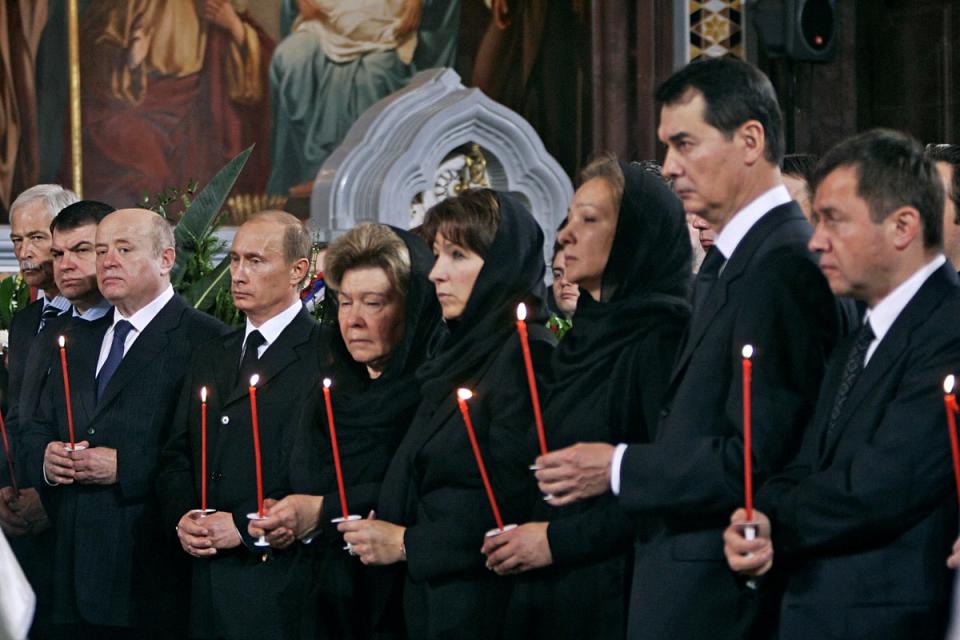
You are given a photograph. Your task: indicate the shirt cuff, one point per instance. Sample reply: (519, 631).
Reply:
(615, 468)
(52, 484)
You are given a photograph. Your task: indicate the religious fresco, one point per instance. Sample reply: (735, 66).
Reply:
(170, 90)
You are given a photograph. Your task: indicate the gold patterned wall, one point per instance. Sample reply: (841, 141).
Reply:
(716, 28)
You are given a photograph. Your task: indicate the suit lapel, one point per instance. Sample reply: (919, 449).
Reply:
(281, 354)
(891, 349)
(82, 356)
(146, 352)
(732, 271)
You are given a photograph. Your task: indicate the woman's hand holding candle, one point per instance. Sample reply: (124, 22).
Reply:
(291, 518)
(518, 550)
(376, 542)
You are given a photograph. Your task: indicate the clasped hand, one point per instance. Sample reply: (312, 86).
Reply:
(203, 536)
(91, 465)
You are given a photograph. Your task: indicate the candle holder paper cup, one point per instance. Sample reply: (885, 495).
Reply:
(202, 513)
(262, 540)
(750, 531)
(75, 447)
(350, 518)
(493, 533)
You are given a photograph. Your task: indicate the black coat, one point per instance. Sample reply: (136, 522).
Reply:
(771, 295)
(236, 594)
(371, 418)
(610, 373)
(117, 564)
(433, 486)
(865, 518)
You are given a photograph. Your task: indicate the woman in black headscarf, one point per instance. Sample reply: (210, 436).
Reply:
(433, 507)
(388, 316)
(627, 247)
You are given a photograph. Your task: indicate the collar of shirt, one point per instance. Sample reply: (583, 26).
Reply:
(272, 328)
(59, 302)
(95, 312)
(885, 313)
(743, 220)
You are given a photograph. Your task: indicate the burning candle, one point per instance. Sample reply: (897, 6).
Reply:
(327, 383)
(6, 450)
(462, 396)
(747, 435)
(531, 380)
(203, 450)
(254, 379)
(950, 404)
(66, 391)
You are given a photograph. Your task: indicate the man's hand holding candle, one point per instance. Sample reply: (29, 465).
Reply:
(575, 473)
(751, 557)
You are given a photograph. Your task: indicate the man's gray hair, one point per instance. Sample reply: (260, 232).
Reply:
(53, 195)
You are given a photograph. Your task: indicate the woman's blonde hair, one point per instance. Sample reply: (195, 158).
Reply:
(369, 244)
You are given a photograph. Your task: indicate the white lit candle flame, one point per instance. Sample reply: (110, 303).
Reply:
(203, 394)
(254, 379)
(521, 311)
(62, 341)
(327, 382)
(948, 383)
(464, 394)
(747, 351)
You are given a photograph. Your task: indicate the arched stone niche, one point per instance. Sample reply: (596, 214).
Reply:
(410, 144)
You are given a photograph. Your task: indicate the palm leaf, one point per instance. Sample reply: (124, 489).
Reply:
(202, 293)
(199, 219)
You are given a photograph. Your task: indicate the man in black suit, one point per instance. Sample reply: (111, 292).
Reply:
(73, 232)
(759, 285)
(237, 588)
(863, 519)
(116, 570)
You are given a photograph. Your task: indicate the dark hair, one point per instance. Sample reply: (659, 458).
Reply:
(801, 165)
(469, 219)
(734, 92)
(80, 214)
(949, 153)
(892, 172)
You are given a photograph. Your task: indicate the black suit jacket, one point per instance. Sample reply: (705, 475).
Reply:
(23, 329)
(235, 593)
(865, 518)
(771, 295)
(116, 563)
(35, 369)
(433, 487)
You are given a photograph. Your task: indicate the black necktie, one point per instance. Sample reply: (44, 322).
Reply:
(120, 331)
(706, 277)
(49, 313)
(851, 371)
(251, 354)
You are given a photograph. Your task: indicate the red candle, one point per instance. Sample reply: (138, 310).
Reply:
(462, 396)
(336, 449)
(747, 435)
(66, 390)
(531, 380)
(950, 404)
(254, 379)
(6, 450)
(203, 449)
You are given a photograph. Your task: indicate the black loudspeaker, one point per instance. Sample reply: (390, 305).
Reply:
(803, 30)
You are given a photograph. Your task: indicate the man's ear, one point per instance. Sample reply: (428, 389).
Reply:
(753, 140)
(907, 225)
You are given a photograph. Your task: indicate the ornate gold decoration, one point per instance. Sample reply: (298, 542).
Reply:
(243, 205)
(73, 43)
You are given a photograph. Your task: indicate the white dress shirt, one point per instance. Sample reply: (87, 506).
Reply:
(139, 320)
(884, 313)
(726, 243)
(272, 328)
(95, 312)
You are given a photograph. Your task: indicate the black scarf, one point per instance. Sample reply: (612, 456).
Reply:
(373, 413)
(643, 289)
(512, 272)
